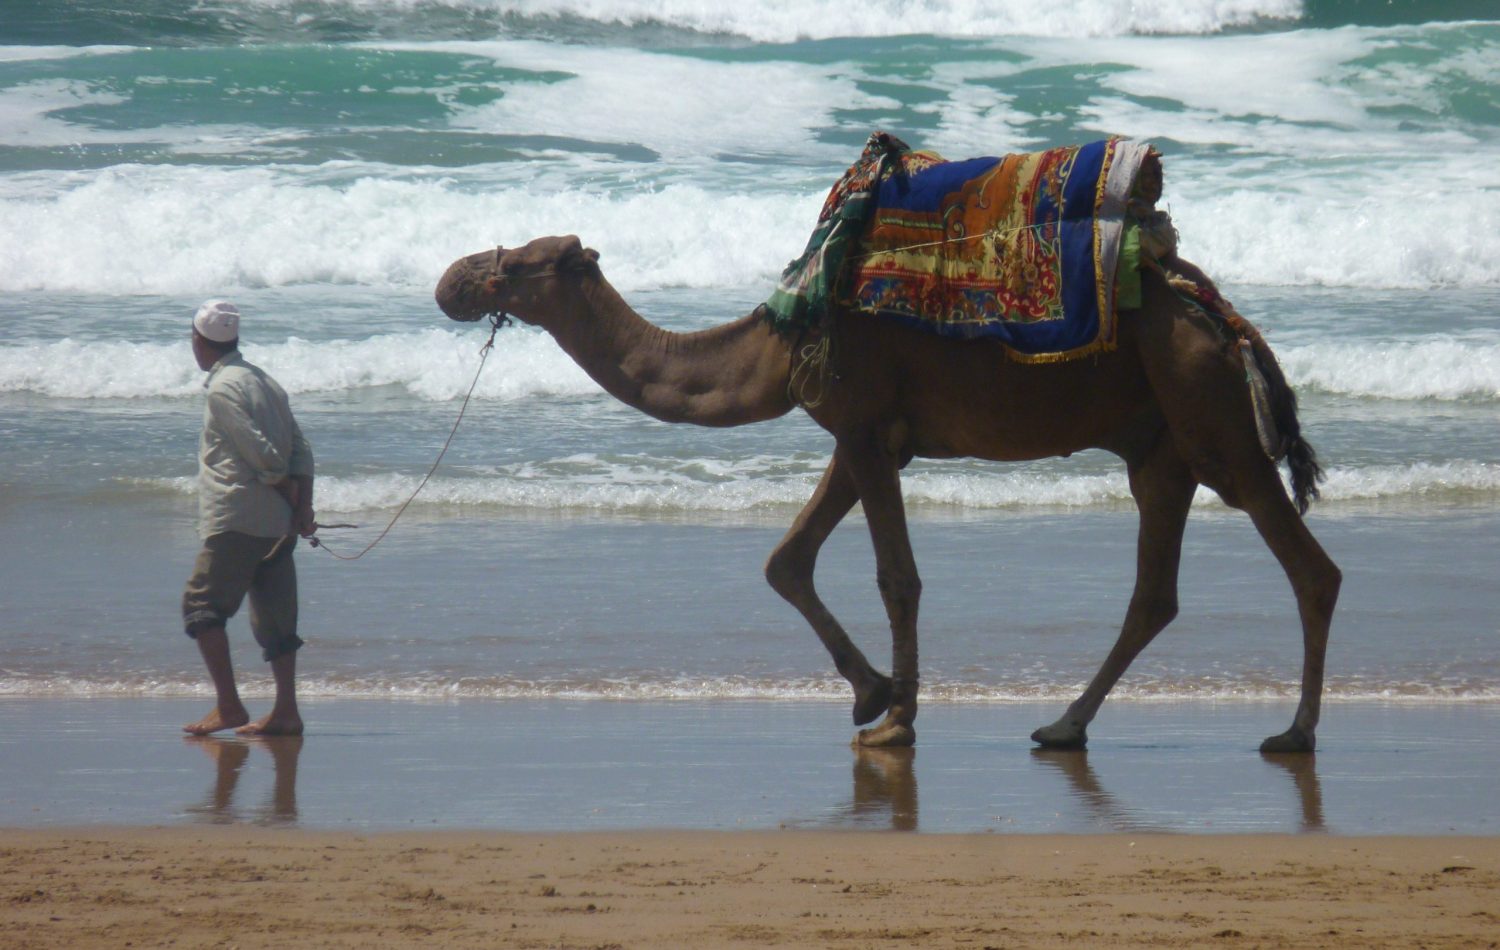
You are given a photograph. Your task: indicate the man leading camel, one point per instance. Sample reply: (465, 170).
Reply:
(255, 486)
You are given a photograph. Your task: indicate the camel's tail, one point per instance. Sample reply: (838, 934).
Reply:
(1287, 441)
(1274, 402)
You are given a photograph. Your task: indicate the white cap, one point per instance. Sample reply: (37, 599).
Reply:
(218, 320)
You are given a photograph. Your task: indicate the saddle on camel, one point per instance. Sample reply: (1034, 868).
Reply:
(1037, 251)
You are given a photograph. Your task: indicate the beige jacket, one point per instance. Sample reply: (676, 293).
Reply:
(250, 441)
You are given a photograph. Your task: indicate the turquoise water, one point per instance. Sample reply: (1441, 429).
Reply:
(1332, 165)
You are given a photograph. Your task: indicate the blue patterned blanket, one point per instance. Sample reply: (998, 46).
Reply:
(1022, 249)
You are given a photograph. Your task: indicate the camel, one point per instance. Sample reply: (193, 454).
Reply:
(1170, 399)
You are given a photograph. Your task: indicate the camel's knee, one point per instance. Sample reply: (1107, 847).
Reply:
(901, 585)
(901, 591)
(1155, 612)
(789, 572)
(1318, 588)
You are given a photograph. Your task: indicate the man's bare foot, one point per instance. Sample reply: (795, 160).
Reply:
(218, 720)
(272, 725)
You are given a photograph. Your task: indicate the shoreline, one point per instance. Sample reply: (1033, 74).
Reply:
(110, 887)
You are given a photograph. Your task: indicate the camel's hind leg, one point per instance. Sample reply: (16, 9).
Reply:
(790, 572)
(1199, 385)
(1315, 581)
(1163, 488)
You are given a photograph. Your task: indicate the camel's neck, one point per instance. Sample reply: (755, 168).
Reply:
(727, 376)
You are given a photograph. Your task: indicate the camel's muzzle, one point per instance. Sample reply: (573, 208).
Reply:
(459, 293)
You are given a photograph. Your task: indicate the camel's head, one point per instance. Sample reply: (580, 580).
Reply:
(522, 281)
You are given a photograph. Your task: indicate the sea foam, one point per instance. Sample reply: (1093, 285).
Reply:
(775, 22)
(1017, 688)
(272, 230)
(438, 365)
(430, 365)
(776, 485)
(1446, 369)
(275, 230)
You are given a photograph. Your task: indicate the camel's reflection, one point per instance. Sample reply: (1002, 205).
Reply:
(1110, 813)
(1304, 772)
(885, 787)
(229, 756)
(1103, 807)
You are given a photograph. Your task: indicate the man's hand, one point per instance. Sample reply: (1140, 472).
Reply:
(304, 521)
(291, 490)
(297, 490)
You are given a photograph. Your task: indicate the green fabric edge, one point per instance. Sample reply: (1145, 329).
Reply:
(1128, 268)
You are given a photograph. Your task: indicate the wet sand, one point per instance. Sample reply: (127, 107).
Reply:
(266, 887)
(646, 825)
(374, 766)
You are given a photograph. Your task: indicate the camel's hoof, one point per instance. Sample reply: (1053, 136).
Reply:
(1293, 740)
(887, 735)
(872, 702)
(1061, 735)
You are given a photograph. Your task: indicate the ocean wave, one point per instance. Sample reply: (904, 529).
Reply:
(1344, 172)
(643, 485)
(820, 19)
(272, 231)
(682, 688)
(438, 365)
(431, 365)
(22, 54)
(682, 22)
(1307, 233)
(269, 231)
(228, 21)
(1444, 369)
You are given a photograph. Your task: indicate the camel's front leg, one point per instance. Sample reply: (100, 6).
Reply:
(877, 478)
(790, 572)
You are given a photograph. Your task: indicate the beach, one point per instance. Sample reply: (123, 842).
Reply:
(559, 706)
(264, 888)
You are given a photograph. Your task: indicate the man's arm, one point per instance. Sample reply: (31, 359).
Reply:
(290, 476)
(304, 522)
(250, 443)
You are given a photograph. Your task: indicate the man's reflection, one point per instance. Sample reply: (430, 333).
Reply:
(229, 756)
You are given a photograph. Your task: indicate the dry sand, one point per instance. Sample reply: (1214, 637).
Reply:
(249, 887)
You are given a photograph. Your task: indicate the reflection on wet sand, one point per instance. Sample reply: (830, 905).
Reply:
(1110, 813)
(229, 756)
(1105, 808)
(885, 785)
(1304, 772)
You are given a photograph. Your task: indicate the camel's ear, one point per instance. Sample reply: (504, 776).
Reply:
(507, 262)
(575, 255)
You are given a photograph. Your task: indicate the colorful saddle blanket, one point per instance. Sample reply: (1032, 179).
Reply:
(1022, 249)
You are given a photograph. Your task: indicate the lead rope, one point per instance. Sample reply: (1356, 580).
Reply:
(496, 322)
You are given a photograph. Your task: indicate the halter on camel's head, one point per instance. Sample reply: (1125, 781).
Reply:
(488, 284)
